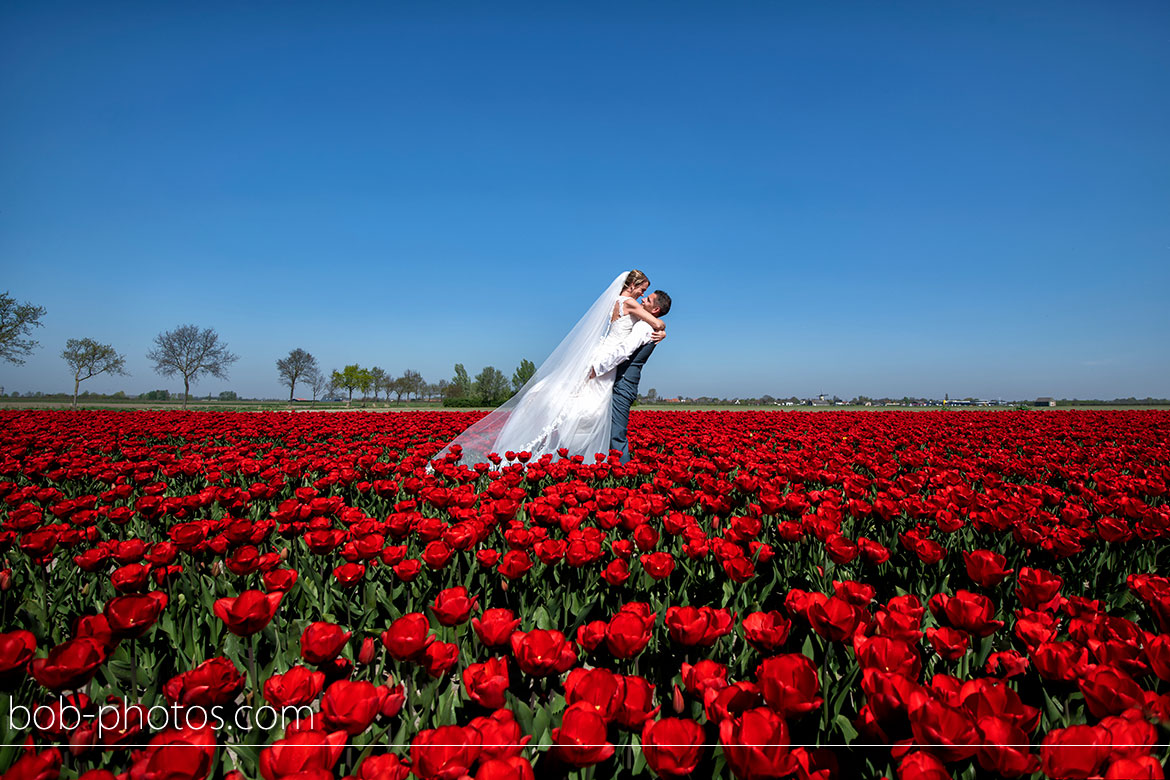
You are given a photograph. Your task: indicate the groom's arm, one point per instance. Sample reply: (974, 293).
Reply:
(620, 352)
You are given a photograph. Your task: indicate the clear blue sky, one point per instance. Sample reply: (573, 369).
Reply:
(845, 197)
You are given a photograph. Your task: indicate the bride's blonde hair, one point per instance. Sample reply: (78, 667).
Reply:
(635, 278)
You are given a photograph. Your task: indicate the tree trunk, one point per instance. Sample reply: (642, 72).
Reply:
(76, 384)
(291, 388)
(186, 390)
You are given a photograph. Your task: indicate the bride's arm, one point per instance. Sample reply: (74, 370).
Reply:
(639, 311)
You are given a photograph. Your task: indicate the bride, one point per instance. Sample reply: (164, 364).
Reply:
(565, 405)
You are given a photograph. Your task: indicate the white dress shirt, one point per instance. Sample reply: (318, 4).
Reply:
(611, 356)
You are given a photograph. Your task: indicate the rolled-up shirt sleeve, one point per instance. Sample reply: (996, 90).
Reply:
(608, 358)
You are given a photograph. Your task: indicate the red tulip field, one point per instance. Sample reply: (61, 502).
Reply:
(755, 595)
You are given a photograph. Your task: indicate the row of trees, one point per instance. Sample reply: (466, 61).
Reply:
(489, 388)
(185, 351)
(376, 380)
(191, 352)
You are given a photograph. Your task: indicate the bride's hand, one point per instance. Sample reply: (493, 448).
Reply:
(658, 335)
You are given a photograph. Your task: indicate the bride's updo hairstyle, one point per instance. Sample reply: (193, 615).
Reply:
(635, 278)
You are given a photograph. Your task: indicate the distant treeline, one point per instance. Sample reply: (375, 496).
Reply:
(1131, 401)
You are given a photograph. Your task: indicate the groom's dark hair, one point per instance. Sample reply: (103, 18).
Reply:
(663, 302)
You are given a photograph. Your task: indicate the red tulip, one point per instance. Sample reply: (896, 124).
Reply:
(872, 552)
(408, 636)
(1157, 652)
(351, 705)
(349, 575)
(970, 612)
(1139, 768)
(658, 565)
(766, 631)
(834, 618)
(495, 627)
(45, 765)
(789, 684)
(1076, 752)
(617, 572)
(949, 732)
(487, 682)
(407, 570)
(304, 754)
(840, 548)
(731, 700)
(500, 735)
(514, 564)
(887, 655)
(1005, 664)
(444, 753)
(1037, 588)
(673, 746)
(439, 658)
(637, 703)
(1109, 691)
(599, 687)
(131, 578)
(703, 676)
(69, 665)
(16, 649)
(280, 579)
(383, 766)
(176, 754)
(508, 768)
(986, 568)
(541, 653)
(1062, 661)
(755, 745)
(947, 642)
(922, 766)
(627, 634)
(1000, 751)
(132, 616)
(581, 739)
(321, 642)
(452, 606)
(591, 635)
(215, 682)
(298, 686)
(249, 612)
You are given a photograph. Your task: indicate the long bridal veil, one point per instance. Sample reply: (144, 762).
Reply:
(530, 421)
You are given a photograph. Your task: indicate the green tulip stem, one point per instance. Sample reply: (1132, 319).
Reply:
(45, 593)
(824, 677)
(252, 668)
(133, 670)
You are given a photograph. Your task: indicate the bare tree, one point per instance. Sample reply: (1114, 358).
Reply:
(296, 366)
(319, 382)
(412, 382)
(191, 352)
(88, 358)
(398, 387)
(379, 381)
(16, 321)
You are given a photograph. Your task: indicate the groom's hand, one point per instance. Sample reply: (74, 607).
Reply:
(657, 336)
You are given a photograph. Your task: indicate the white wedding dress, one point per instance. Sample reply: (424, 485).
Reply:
(561, 406)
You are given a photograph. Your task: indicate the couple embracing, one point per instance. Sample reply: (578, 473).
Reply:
(580, 397)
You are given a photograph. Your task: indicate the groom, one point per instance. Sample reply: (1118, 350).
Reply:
(629, 357)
